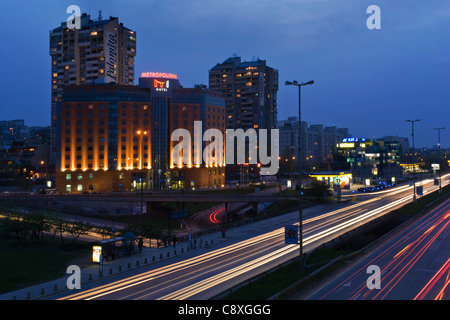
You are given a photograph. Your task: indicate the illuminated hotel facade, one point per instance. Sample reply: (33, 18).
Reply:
(117, 138)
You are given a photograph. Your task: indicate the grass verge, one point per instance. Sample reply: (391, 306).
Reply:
(24, 266)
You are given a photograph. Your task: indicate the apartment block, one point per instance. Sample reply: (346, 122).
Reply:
(100, 51)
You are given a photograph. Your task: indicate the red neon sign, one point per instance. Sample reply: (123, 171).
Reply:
(159, 84)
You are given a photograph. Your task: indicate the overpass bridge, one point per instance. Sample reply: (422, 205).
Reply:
(117, 203)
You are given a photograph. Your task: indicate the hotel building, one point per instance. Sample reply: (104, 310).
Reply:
(114, 138)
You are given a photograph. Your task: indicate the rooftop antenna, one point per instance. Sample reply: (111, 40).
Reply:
(100, 18)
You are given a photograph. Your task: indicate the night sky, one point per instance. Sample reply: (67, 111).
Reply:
(369, 81)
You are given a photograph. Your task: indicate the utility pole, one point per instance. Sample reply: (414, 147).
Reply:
(414, 164)
(439, 155)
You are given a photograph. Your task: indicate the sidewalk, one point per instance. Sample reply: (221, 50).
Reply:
(90, 273)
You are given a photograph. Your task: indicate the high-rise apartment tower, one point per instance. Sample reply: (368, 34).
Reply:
(100, 51)
(250, 92)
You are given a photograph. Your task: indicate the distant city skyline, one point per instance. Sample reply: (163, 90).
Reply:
(369, 81)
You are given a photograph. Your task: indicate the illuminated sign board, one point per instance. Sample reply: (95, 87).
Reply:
(346, 145)
(159, 75)
(96, 254)
(354, 140)
(435, 166)
(111, 54)
(160, 85)
(291, 234)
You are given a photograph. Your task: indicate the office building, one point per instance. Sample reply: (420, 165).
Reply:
(369, 160)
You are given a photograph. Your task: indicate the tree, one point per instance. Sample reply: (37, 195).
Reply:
(37, 223)
(77, 228)
(318, 189)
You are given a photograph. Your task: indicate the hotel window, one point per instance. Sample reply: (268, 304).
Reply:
(68, 176)
(79, 187)
(80, 177)
(69, 188)
(91, 176)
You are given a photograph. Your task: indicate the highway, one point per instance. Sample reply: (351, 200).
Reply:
(413, 264)
(259, 248)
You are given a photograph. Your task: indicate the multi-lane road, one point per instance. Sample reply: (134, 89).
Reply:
(412, 264)
(257, 247)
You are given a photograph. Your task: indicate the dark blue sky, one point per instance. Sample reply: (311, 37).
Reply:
(370, 81)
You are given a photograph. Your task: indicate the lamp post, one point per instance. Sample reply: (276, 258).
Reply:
(414, 167)
(141, 134)
(439, 155)
(300, 209)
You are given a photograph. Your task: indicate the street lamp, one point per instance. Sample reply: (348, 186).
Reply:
(141, 134)
(414, 167)
(439, 155)
(300, 209)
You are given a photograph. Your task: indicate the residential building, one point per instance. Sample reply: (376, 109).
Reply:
(250, 91)
(100, 51)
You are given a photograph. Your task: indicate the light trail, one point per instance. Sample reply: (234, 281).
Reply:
(205, 284)
(404, 259)
(432, 282)
(275, 236)
(229, 274)
(213, 216)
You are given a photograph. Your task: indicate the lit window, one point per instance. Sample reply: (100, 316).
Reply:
(80, 188)
(68, 176)
(68, 188)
